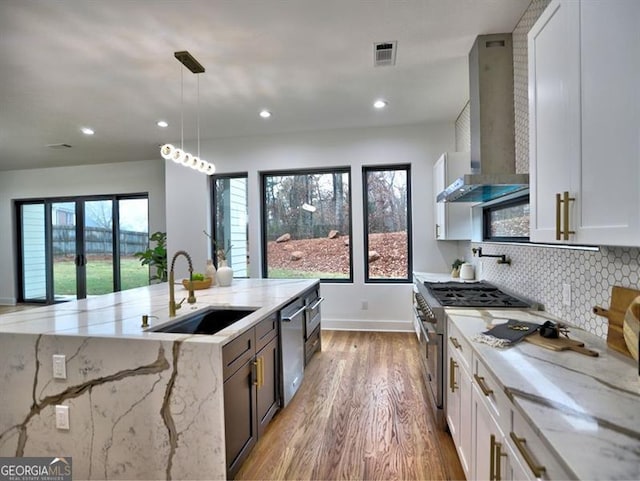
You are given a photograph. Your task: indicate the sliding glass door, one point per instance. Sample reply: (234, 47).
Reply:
(79, 247)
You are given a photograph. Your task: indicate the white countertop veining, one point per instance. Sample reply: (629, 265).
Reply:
(585, 409)
(120, 314)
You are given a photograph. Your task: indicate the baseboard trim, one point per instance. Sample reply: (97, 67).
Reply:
(366, 325)
(8, 301)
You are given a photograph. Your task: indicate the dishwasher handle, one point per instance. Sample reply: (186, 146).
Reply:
(294, 315)
(316, 304)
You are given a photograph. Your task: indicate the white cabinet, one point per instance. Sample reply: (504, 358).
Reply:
(453, 219)
(584, 107)
(459, 397)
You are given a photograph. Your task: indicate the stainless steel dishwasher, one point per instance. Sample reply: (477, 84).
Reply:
(292, 320)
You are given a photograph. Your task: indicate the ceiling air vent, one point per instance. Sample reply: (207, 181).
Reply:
(59, 146)
(384, 53)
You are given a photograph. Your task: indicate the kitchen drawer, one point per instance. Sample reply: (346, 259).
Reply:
(237, 353)
(312, 315)
(459, 343)
(493, 394)
(531, 451)
(266, 330)
(312, 345)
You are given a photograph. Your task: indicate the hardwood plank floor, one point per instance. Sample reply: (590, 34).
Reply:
(360, 413)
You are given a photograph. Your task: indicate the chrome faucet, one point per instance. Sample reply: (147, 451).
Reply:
(172, 299)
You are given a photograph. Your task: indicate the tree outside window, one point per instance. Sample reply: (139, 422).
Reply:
(387, 216)
(307, 224)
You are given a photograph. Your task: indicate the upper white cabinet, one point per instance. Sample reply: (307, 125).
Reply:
(453, 220)
(584, 107)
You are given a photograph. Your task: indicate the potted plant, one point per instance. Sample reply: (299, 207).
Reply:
(455, 267)
(156, 256)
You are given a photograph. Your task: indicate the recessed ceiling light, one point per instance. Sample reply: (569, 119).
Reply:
(87, 131)
(265, 114)
(162, 123)
(380, 104)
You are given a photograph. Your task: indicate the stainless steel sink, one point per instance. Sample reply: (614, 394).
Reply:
(208, 321)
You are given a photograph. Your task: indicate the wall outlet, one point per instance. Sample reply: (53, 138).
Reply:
(566, 295)
(365, 305)
(59, 366)
(62, 417)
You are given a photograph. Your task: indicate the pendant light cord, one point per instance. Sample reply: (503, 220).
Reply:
(198, 110)
(182, 109)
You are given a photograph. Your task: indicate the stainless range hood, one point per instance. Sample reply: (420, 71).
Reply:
(492, 125)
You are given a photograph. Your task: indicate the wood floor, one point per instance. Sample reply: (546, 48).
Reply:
(360, 414)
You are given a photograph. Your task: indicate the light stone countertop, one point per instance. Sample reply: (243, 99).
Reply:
(119, 314)
(585, 409)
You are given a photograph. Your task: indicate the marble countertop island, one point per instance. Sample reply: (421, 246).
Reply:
(585, 409)
(142, 405)
(120, 314)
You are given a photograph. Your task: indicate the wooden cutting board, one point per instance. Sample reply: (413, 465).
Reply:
(621, 297)
(560, 344)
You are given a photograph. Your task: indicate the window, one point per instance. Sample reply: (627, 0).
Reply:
(507, 221)
(230, 225)
(307, 224)
(387, 219)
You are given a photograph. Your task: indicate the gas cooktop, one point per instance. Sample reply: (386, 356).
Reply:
(472, 294)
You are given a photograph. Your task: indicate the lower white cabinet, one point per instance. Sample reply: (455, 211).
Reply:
(493, 440)
(459, 404)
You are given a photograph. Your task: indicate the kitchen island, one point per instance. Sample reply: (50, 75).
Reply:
(580, 415)
(142, 404)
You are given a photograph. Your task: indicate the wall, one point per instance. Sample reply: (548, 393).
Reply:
(539, 273)
(120, 178)
(420, 145)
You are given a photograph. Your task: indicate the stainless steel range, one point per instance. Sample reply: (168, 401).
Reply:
(430, 301)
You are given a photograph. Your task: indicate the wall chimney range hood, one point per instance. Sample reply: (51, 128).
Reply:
(492, 125)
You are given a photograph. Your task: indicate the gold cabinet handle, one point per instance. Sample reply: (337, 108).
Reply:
(565, 208)
(520, 443)
(486, 390)
(499, 454)
(492, 458)
(558, 204)
(452, 374)
(454, 341)
(259, 365)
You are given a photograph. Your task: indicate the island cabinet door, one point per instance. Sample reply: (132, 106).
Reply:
(240, 421)
(268, 383)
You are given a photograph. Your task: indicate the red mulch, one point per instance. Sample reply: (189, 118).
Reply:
(332, 255)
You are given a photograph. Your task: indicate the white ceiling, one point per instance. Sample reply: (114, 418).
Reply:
(109, 65)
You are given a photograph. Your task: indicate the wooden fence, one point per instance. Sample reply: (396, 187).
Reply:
(98, 240)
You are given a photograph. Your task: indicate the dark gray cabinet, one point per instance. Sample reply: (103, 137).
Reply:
(251, 373)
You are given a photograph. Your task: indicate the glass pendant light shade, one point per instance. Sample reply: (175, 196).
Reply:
(202, 165)
(177, 156)
(187, 159)
(166, 151)
(194, 162)
(211, 169)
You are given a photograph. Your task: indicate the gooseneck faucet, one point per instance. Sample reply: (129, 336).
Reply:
(502, 259)
(172, 298)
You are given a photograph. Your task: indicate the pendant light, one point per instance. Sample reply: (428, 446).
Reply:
(180, 156)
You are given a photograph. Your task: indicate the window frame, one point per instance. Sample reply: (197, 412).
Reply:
(486, 219)
(365, 216)
(264, 268)
(214, 208)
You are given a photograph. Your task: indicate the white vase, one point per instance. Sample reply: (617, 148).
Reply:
(210, 271)
(224, 274)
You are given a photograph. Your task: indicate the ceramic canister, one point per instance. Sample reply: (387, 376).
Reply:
(467, 272)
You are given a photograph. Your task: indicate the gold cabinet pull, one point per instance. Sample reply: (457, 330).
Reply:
(259, 365)
(565, 208)
(520, 443)
(558, 204)
(452, 375)
(486, 390)
(455, 342)
(492, 458)
(499, 454)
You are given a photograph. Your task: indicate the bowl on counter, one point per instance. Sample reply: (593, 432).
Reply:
(204, 284)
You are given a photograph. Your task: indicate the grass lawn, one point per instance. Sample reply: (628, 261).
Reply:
(99, 276)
